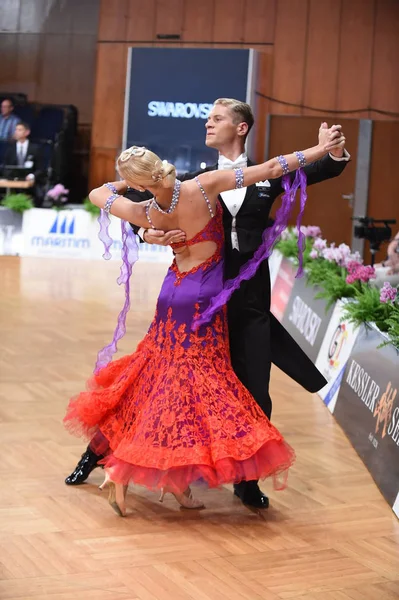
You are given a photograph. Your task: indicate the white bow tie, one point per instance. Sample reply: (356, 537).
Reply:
(225, 163)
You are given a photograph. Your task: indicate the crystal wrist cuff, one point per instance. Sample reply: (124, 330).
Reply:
(301, 159)
(111, 187)
(239, 178)
(109, 202)
(283, 163)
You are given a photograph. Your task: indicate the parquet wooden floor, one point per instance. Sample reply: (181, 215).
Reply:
(329, 536)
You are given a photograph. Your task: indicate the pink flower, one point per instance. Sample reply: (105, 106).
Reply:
(320, 244)
(358, 272)
(313, 254)
(354, 257)
(329, 253)
(388, 293)
(304, 230)
(313, 231)
(57, 191)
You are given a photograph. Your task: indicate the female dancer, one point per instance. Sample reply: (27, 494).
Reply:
(174, 412)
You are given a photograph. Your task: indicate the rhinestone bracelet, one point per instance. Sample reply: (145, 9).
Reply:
(239, 178)
(109, 202)
(301, 158)
(111, 187)
(283, 163)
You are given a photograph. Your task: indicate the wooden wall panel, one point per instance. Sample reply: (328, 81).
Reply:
(141, 20)
(58, 19)
(259, 21)
(169, 17)
(50, 54)
(56, 50)
(85, 17)
(356, 56)
(28, 64)
(385, 81)
(325, 206)
(82, 75)
(228, 24)
(102, 166)
(8, 53)
(198, 25)
(109, 95)
(289, 54)
(41, 16)
(113, 19)
(322, 54)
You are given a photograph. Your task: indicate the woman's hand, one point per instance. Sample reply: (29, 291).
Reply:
(160, 238)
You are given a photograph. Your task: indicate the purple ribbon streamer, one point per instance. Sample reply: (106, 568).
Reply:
(269, 238)
(301, 235)
(130, 254)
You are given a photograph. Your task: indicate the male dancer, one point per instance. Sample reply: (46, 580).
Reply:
(256, 337)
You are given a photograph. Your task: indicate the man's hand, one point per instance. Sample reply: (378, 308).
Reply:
(327, 135)
(156, 236)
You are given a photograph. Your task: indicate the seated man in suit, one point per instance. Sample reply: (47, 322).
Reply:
(8, 120)
(23, 153)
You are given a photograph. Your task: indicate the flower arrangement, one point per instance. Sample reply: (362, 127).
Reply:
(288, 243)
(340, 273)
(57, 196)
(390, 297)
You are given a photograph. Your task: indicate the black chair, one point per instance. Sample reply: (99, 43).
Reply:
(48, 123)
(3, 148)
(26, 113)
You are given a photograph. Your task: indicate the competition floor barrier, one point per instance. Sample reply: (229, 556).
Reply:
(71, 233)
(363, 377)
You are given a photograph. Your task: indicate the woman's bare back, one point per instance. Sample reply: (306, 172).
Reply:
(191, 215)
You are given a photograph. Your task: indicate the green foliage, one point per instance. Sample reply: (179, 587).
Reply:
(18, 202)
(368, 308)
(91, 208)
(331, 278)
(392, 323)
(289, 247)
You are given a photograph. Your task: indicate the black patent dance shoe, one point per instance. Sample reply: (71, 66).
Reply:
(85, 466)
(251, 495)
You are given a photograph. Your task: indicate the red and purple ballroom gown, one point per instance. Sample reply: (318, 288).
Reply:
(174, 412)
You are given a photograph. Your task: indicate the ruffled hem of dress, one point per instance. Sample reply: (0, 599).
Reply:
(272, 459)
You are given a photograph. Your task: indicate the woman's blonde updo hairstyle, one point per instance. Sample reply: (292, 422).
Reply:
(141, 166)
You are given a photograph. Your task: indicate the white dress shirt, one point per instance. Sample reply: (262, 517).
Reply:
(233, 199)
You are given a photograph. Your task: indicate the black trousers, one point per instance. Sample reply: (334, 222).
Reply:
(249, 330)
(257, 338)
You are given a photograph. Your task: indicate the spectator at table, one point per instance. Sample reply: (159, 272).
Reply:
(8, 121)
